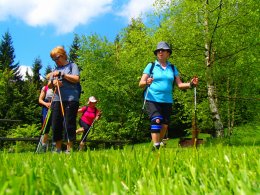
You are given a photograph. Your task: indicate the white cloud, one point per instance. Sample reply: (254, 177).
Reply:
(23, 70)
(136, 8)
(64, 15)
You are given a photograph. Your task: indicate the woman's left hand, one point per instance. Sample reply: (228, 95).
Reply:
(57, 82)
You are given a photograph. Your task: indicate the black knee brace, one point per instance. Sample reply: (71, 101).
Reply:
(156, 126)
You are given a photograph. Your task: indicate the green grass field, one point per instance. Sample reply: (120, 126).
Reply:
(216, 168)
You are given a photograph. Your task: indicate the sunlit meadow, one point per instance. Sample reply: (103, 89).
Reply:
(214, 169)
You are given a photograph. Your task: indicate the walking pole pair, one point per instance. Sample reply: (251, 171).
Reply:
(85, 136)
(44, 125)
(62, 111)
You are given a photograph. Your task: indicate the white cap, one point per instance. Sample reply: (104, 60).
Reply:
(92, 99)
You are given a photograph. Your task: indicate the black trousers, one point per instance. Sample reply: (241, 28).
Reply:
(64, 127)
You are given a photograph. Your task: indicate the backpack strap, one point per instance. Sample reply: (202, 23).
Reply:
(79, 87)
(173, 69)
(153, 64)
(151, 74)
(151, 69)
(95, 111)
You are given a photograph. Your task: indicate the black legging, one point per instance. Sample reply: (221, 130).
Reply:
(70, 112)
(86, 130)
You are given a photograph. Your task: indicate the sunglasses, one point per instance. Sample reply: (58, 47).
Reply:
(56, 58)
(161, 50)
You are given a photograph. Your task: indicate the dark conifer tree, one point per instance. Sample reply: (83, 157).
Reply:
(7, 57)
(47, 70)
(37, 65)
(75, 46)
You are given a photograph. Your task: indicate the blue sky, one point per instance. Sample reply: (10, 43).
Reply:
(37, 26)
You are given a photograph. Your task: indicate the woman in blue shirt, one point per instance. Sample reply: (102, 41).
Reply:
(66, 76)
(158, 95)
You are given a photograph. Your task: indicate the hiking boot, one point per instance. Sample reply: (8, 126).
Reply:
(163, 144)
(53, 146)
(67, 152)
(44, 147)
(156, 148)
(56, 151)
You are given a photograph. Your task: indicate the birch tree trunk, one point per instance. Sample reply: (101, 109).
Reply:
(218, 125)
(228, 105)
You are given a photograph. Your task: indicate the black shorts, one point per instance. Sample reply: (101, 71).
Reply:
(159, 109)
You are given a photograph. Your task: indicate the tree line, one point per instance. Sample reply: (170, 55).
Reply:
(218, 41)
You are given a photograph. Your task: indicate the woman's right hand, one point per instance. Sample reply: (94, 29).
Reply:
(48, 104)
(149, 81)
(145, 80)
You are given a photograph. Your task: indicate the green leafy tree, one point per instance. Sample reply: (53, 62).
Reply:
(111, 71)
(98, 77)
(208, 37)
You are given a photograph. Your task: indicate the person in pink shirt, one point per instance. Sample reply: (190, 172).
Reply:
(90, 114)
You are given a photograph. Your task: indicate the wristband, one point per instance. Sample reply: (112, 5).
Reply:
(60, 75)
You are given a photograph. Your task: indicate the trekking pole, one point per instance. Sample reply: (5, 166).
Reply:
(142, 112)
(147, 90)
(143, 107)
(195, 99)
(195, 117)
(85, 136)
(62, 111)
(46, 120)
(145, 99)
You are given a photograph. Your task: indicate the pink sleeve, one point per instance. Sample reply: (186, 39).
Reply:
(83, 109)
